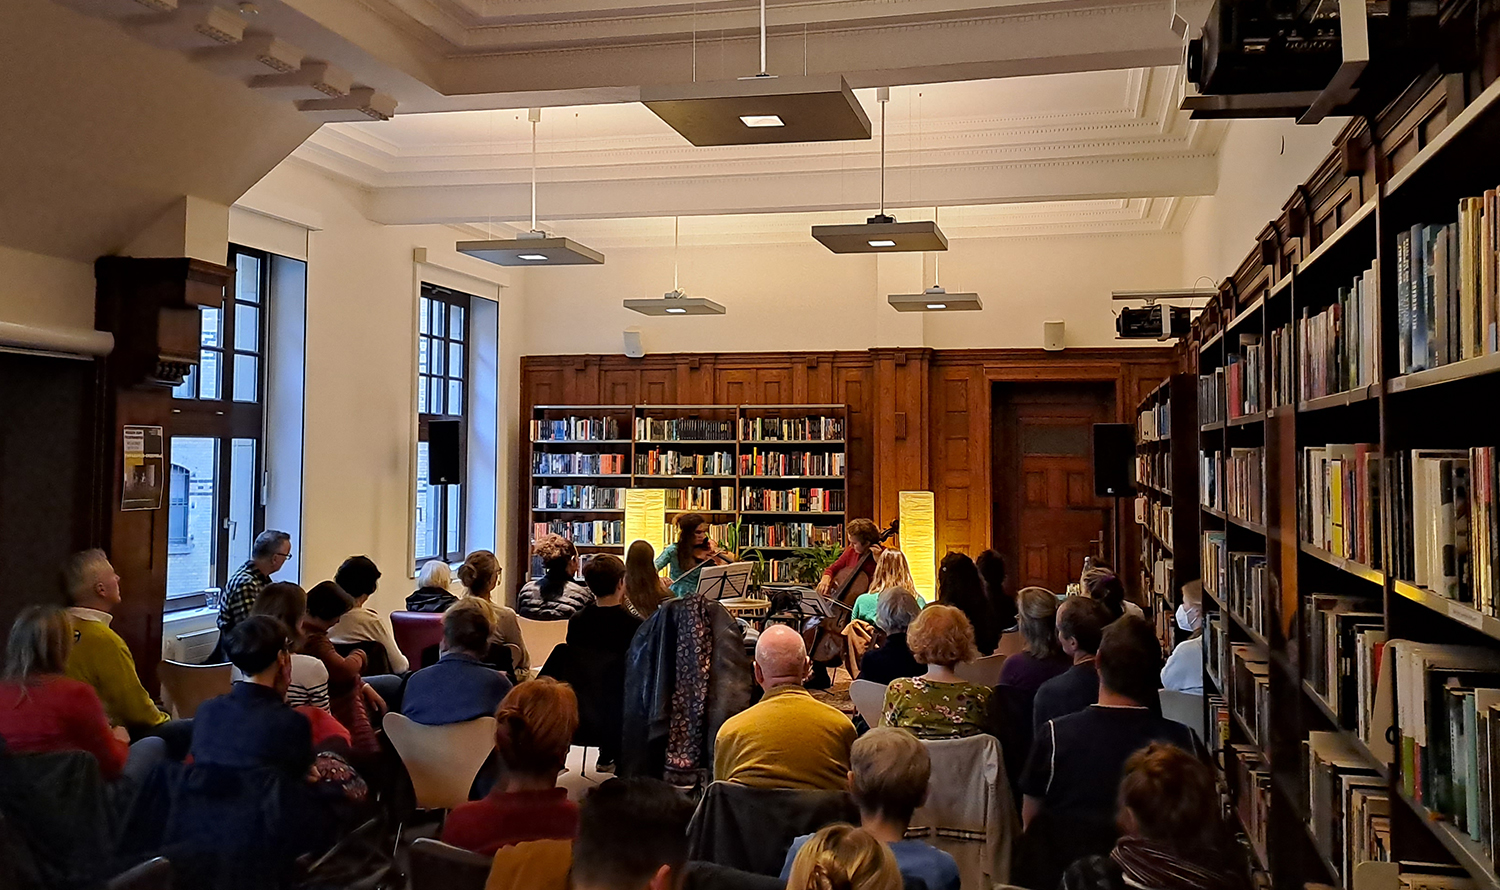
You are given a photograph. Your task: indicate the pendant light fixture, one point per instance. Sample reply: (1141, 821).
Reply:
(536, 247)
(881, 233)
(675, 301)
(761, 109)
(935, 298)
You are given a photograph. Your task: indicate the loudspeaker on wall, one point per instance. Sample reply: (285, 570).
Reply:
(633, 346)
(1052, 336)
(1114, 452)
(445, 464)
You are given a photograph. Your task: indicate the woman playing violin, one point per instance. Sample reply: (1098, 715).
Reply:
(692, 552)
(863, 537)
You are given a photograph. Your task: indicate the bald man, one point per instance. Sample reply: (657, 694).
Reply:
(789, 739)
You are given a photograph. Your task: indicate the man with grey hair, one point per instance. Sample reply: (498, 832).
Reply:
(268, 554)
(896, 609)
(788, 739)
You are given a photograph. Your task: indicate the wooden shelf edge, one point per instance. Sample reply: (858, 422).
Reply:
(1463, 613)
(1463, 848)
(1357, 569)
(1482, 104)
(1247, 419)
(1339, 399)
(1340, 234)
(1468, 369)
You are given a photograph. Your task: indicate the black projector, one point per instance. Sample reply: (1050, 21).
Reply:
(1146, 324)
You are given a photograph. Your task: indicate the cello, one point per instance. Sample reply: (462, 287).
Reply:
(851, 582)
(824, 636)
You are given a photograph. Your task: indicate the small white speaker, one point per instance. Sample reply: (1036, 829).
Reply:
(1052, 336)
(633, 347)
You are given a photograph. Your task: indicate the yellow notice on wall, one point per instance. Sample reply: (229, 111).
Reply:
(918, 510)
(646, 517)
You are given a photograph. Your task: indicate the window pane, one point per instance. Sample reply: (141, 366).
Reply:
(455, 397)
(423, 310)
(246, 328)
(190, 565)
(435, 395)
(210, 330)
(453, 502)
(423, 345)
(455, 322)
(188, 388)
(242, 487)
(246, 377)
(456, 359)
(435, 358)
(208, 375)
(422, 395)
(1072, 439)
(439, 319)
(427, 515)
(247, 278)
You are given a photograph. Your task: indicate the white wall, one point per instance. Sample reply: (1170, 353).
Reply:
(45, 291)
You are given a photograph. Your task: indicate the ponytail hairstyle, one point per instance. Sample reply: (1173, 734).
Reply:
(687, 523)
(842, 857)
(537, 720)
(1104, 585)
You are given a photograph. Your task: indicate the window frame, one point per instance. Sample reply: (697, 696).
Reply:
(454, 550)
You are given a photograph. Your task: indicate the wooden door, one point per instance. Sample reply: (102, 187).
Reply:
(1047, 519)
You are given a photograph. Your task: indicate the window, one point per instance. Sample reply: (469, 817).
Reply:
(215, 507)
(442, 395)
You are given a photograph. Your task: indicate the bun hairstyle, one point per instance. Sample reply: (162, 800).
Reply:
(537, 720)
(479, 572)
(842, 857)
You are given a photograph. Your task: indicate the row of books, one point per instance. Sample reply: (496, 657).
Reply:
(684, 429)
(1155, 516)
(1283, 380)
(1215, 647)
(1154, 468)
(1237, 579)
(547, 463)
(792, 463)
(1339, 501)
(597, 532)
(1434, 549)
(1334, 627)
(1348, 804)
(1250, 691)
(701, 497)
(790, 534)
(1448, 286)
(660, 462)
(1338, 346)
(1234, 484)
(575, 429)
(793, 429)
(578, 497)
(1252, 778)
(1211, 397)
(1243, 374)
(1156, 422)
(793, 500)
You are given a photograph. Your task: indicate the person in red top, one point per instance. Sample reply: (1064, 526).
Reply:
(41, 710)
(863, 537)
(537, 722)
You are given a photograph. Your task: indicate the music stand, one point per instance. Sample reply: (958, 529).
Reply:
(724, 582)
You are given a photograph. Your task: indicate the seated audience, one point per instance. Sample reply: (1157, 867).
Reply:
(1101, 583)
(41, 710)
(479, 576)
(269, 552)
(432, 593)
(842, 857)
(1080, 623)
(939, 704)
(358, 576)
(1172, 833)
(891, 570)
(645, 588)
(1042, 659)
(897, 609)
(600, 635)
(1183, 671)
(888, 775)
(460, 687)
(788, 739)
(555, 596)
(536, 725)
(959, 586)
(991, 566)
(348, 697)
(252, 726)
(632, 835)
(287, 603)
(1072, 776)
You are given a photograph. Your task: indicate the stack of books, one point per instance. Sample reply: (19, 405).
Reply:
(1283, 368)
(1334, 625)
(1335, 772)
(697, 497)
(790, 534)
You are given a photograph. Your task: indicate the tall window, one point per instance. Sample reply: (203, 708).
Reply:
(442, 395)
(216, 507)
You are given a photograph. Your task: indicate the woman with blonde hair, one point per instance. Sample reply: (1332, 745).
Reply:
(842, 857)
(891, 570)
(645, 589)
(479, 575)
(939, 704)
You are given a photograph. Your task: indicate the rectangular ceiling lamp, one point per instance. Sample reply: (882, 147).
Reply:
(670, 306)
(918, 514)
(759, 110)
(934, 302)
(532, 252)
(882, 237)
(646, 516)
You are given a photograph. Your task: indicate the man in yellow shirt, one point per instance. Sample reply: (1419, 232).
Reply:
(788, 739)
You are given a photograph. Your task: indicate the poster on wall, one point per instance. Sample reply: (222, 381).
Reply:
(145, 468)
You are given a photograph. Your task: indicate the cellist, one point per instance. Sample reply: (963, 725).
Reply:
(864, 537)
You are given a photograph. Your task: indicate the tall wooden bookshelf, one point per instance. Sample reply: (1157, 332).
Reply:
(776, 474)
(1266, 435)
(1167, 485)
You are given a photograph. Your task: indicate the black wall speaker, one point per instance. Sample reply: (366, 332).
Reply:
(445, 465)
(1114, 451)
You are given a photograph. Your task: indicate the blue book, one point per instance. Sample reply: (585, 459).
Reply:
(1403, 298)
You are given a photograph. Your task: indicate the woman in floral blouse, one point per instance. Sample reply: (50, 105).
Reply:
(939, 704)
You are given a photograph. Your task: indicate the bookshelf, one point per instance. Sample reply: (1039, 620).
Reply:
(1347, 509)
(1167, 424)
(776, 472)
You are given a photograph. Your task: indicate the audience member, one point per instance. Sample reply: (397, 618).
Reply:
(959, 586)
(891, 570)
(645, 589)
(991, 566)
(939, 704)
(693, 550)
(842, 857)
(348, 697)
(601, 635)
(268, 554)
(1080, 623)
(897, 609)
(479, 576)
(1101, 583)
(252, 726)
(1184, 668)
(1024, 673)
(287, 603)
(1172, 834)
(432, 593)
(632, 835)
(788, 739)
(537, 720)
(888, 775)
(1073, 773)
(460, 687)
(42, 710)
(358, 576)
(863, 536)
(555, 596)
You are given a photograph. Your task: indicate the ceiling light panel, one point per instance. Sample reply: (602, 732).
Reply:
(930, 302)
(524, 251)
(675, 306)
(882, 237)
(741, 112)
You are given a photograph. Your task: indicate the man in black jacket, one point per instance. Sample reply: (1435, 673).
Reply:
(1080, 624)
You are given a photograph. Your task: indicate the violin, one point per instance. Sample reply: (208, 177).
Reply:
(706, 554)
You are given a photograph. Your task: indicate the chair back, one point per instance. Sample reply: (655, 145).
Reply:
(416, 632)
(869, 700)
(377, 660)
(186, 686)
(982, 671)
(439, 866)
(970, 812)
(153, 874)
(751, 828)
(441, 760)
(1011, 642)
(1185, 708)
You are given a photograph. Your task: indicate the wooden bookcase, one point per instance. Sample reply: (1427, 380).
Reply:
(1167, 485)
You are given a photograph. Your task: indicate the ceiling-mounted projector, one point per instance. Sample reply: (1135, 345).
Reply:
(1153, 323)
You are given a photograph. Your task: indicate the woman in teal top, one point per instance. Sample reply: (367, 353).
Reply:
(890, 571)
(696, 552)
